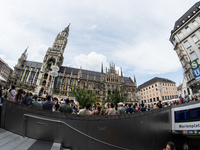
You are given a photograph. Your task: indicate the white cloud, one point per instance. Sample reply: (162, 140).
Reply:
(100, 31)
(91, 61)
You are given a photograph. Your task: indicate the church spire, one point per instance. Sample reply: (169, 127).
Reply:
(102, 68)
(134, 79)
(121, 72)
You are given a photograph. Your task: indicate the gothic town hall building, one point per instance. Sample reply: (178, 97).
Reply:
(35, 76)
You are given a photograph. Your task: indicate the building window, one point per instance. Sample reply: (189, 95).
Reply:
(193, 56)
(188, 29)
(157, 98)
(82, 84)
(154, 99)
(96, 86)
(178, 51)
(189, 75)
(195, 38)
(180, 34)
(183, 62)
(90, 85)
(195, 23)
(155, 84)
(150, 100)
(187, 44)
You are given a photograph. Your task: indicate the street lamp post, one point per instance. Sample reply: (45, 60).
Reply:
(53, 73)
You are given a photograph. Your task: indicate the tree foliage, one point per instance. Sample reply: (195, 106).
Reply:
(83, 96)
(116, 97)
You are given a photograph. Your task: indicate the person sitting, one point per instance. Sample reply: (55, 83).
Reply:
(111, 110)
(156, 106)
(36, 103)
(19, 96)
(11, 94)
(121, 110)
(142, 109)
(48, 105)
(86, 111)
(130, 110)
(66, 107)
(97, 111)
(27, 100)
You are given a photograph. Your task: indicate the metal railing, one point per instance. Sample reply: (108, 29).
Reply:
(58, 121)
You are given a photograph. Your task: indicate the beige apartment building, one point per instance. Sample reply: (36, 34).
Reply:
(185, 39)
(157, 89)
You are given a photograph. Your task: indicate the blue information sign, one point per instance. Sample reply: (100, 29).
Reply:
(196, 73)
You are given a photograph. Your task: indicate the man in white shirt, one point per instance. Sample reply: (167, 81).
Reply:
(86, 111)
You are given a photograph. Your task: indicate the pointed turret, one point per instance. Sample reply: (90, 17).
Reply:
(121, 72)
(102, 68)
(134, 79)
(22, 58)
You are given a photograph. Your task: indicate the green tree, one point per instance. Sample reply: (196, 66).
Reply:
(84, 96)
(116, 97)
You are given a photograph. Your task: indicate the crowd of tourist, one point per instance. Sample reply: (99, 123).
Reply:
(30, 100)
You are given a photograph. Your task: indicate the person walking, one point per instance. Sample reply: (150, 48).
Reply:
(185, 147)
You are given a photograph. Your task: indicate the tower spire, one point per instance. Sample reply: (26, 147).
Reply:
(102, 67)
(121, 72)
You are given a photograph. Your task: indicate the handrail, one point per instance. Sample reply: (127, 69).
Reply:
(59, 121)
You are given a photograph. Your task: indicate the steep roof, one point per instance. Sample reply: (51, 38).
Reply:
(191, 12)
(154, 80)
(68, 70)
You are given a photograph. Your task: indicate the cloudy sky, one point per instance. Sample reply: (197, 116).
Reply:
(133, 34)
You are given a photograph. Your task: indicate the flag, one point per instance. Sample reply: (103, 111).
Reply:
(35, 76)
(73, 84)
(23, 74)
(58, 80)
(29, 75)
(65, 83)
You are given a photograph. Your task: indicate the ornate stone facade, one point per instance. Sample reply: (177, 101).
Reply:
(35, 76)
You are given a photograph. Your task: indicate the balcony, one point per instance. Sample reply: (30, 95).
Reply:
(181, 54)
(187, 67)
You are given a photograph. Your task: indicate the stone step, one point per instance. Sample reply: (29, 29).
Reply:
(11, 141)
